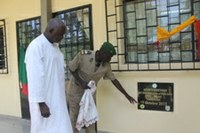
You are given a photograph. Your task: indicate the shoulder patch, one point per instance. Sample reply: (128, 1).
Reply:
(85, 52)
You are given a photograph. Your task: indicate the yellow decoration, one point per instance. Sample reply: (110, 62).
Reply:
(163, 34)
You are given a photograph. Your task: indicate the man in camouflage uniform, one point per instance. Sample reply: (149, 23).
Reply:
(90, 65)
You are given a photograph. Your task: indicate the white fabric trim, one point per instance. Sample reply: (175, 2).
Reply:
(87, 113)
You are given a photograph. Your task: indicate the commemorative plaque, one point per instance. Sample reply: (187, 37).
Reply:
(156, 96)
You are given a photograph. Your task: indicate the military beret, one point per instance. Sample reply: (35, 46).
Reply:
(108, 47)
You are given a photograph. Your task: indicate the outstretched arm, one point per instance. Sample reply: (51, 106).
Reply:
(122, 90)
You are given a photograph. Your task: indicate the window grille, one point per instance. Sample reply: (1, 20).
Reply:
(132, 28)
(3, 48)
(27, 30)
(78, 36)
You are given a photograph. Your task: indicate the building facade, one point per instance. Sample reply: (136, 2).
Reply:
(131, 25)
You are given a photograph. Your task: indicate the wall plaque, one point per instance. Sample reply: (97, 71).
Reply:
(156, 96)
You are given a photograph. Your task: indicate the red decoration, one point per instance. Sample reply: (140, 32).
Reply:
(157, 44)
(25, 89)
(197, 24)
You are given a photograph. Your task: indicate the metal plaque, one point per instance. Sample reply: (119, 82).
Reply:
(156, 96)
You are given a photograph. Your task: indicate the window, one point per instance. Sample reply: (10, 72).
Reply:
(132, 26)
(27, 30)
(78, 35)
(79, 32)
(3, 48)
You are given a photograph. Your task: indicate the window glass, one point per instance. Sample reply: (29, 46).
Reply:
(27, 30)
(79, 32)
(167, 14)
(2, 59)
(130, 17)
(151, 18)
(138, 46)
(3, 48)
(140, 10)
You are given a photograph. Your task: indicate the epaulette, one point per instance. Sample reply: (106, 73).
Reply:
(85, 52)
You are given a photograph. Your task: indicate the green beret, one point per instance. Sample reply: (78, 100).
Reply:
(108, 47)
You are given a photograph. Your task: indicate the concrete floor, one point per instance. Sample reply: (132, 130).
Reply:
(9, 124)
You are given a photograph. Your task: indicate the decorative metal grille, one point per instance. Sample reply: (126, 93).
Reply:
(27, 30)
(78, 36)
(3, 48)
(132, 27)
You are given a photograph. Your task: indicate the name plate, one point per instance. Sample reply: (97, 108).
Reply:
(156, 96)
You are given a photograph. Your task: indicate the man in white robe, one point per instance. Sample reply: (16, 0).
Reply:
(46, 82)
